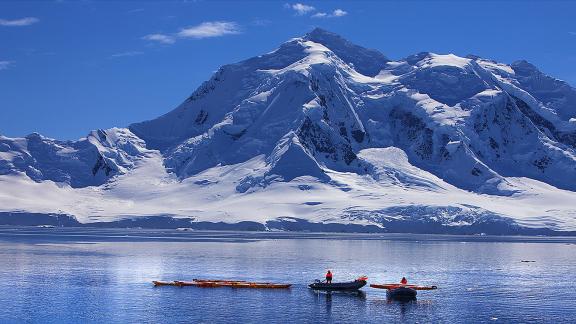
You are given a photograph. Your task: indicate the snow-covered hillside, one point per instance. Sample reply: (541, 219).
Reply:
(86, 162)
(322, 134)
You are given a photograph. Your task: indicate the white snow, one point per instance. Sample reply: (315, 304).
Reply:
(436, 60)
(149, 190)
(322, 130)
(496, 67)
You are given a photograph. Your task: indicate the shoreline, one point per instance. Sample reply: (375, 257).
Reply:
(12, 234)
(495, 227)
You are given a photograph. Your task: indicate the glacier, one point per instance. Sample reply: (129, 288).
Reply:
(322, 134)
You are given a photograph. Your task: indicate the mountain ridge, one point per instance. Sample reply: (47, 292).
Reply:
(317, 112)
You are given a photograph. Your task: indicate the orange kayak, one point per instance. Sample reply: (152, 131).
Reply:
(266, 285)
(395, 286)
(240, 284)
(190, 283)
(218, 281)
(232, 284)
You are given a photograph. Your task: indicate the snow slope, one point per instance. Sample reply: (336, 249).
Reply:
(89, 161)
(322, 131)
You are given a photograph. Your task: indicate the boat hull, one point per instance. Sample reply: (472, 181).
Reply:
(338, 286)
(402, 293)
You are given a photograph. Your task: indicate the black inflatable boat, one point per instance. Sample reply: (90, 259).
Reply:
(339, 286)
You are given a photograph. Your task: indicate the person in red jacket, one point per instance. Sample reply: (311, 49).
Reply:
(329, 277)
(403, 281)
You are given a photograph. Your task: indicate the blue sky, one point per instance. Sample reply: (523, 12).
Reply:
(67, 67)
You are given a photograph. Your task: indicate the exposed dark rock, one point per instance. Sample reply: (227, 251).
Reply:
(201, 118)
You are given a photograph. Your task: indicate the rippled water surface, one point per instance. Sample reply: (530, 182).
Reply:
(90, 275)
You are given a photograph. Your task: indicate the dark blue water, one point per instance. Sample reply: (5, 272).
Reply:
(86, 275)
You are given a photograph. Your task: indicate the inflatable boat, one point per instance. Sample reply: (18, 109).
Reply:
(339, 286)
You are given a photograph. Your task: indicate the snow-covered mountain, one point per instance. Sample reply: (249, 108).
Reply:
(323, 134)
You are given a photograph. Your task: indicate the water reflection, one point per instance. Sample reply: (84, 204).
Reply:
(359, 294)
(401, 300)
(111, 281)
(334, 302)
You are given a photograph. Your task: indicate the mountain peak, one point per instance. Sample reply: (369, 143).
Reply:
(524, 66)
(319, 35)
(366, 61)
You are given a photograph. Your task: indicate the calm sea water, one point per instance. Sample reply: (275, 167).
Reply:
(91, 275)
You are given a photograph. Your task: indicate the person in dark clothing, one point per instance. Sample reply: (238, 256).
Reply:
(403, 281)
(328, 277)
